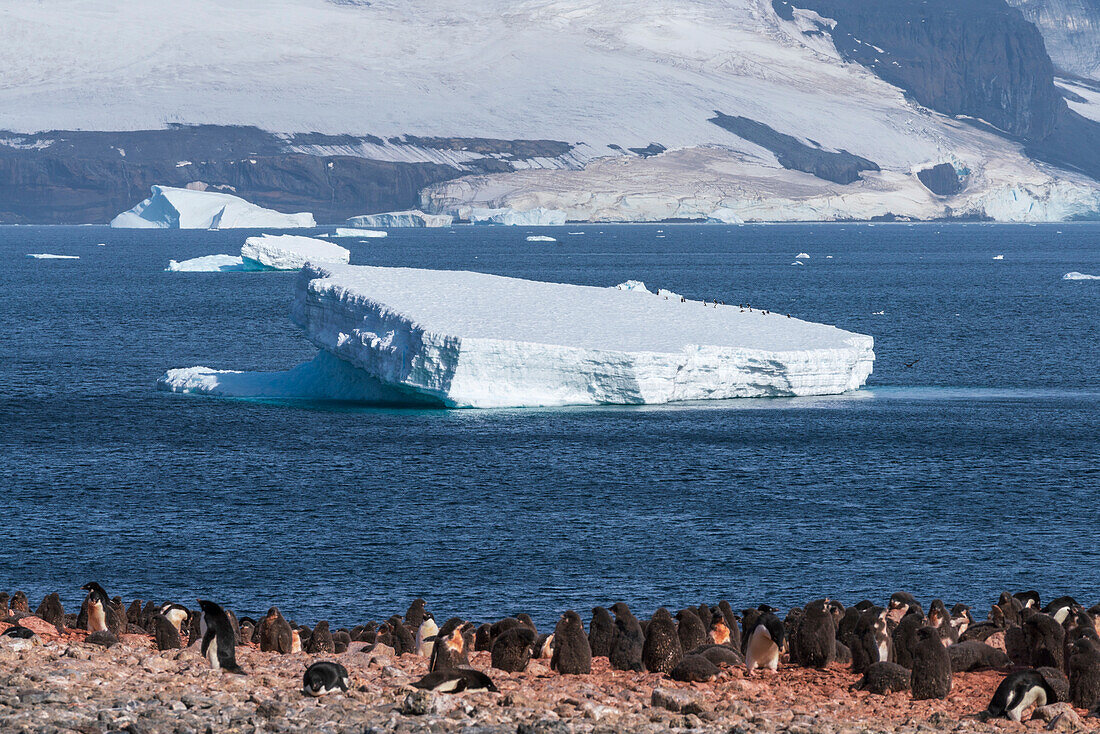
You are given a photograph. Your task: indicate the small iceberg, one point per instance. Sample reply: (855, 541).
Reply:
(574, 233)
(878, 313)
(802, 256)
(540, 238)
(798, 262)
(362, 233)
(1080, 276)
(51, 256)
(407, 218)
(291, 252)
(998, 257)
(172, 208)
(209, 264)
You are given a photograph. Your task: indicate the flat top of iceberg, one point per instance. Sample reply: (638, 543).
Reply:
(51, 256)
(290, 251)
(207, 264)
(479, 306)
(1079, 276)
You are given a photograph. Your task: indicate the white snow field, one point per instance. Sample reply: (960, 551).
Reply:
(173, 208)
(463, 339)
(361, 233)
(51, 256)
(587, 72)
(1080, 276)
(291, 252)
(410, 218)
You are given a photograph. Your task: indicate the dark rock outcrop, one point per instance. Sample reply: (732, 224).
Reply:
(941, 179)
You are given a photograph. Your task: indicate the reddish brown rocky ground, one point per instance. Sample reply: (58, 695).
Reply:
(62, 683)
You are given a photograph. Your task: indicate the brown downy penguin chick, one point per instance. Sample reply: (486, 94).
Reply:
(905, 638)
(973, 655)
(321, 640)
(765, 641)
(690, 629)
(402, 638)
(1084, 674)
(626, 645)
(1010, 608)
(134, 615)
(512, 650)
(5, 603)
(275, 633)
(871, 641)
(483, 638)
(931, 676)
(51, 610)
(847, 625)
(731, 622)
(572, 653)
(1044, 639)
(525, 619)
(503, 625)
(814, 643)
(449, 650)
(19, 603)
(341, 641)
(705, 615)
(248, 628)
(165, 633)
(719, 632)
(720, 655)
(901, 603)
(940, 619)
(414, 617)
(601, 632)
(661, 650)
(883, 678)
(369, 633)
(694, 669)
(961, 620)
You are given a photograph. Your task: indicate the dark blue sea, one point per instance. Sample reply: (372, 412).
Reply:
(969, 464)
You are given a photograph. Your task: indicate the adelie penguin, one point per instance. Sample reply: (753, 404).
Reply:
(219, 643)
(572, 653)
(449, 650)
(626, 645)
(325, 677)
(690, 629)
(871, 640)
(455, 681)
(175, 613)
(601, 632)
(765, 643)
(931, 676)
(275, 633)
(165, 633)
(98, 605)
(512, 650)
(426, 634)
(661, 651)
(415, 615)
(1019, 691)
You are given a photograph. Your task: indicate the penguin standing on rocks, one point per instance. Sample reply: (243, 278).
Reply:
(765, 638)
(425, 637)
(905, 638)
(275, 633)
(572, 653)
(626, 645)
(940, 619)
(219, 643)
(175, 613)
(51, 610)
(814, 644)
(321, 640)
(690, 629)
(324, 678)
(165, 633)
(901, 603)
(415, 615)
(871, 641)
(1019, 691)
(403, 640)
(512, 649)
(1084, 673)
(19, 603)
(98, 605)
(661, 651)
(731, 622)
(931, 677)
(1044, 639)
(601, 632)
(719, 632)
(449, 650)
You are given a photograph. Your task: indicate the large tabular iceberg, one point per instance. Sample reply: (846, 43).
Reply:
(410, 218)
(536, 217)
(462, 339)
(171, 208)
(291, 252)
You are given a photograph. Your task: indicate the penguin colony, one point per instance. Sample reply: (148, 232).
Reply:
(1048, 653)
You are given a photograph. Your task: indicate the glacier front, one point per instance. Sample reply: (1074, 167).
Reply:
(463, 339)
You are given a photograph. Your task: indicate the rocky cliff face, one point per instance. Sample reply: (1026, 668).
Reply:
(1071, 29)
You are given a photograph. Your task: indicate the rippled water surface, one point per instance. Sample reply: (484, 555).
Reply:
(971, 462)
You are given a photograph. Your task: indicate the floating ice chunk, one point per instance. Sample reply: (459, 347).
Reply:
(1080, 276)
(475, 340)
(537, 217)
(101, 244)
(324, 378)
(51, 256)
(364, 233)
(173, 208)
(880, 313)
(828, 257)
(633, 285)
(409, 218)
(210, 264)
(574, 233)
(291, 252)
(802, 256)
(540, 238)
(998, 257)
(798, 262)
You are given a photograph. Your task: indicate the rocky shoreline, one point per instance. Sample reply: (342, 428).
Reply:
(62, 682)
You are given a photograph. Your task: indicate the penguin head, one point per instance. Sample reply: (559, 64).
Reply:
(620, 609)
(96, 593)
(1030, 599)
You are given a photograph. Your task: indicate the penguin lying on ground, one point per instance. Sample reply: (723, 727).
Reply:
(1017, 692)
(455, 680)
(324, 678)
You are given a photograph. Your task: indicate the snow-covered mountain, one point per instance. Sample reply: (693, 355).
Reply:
(1071, 29)
(606, 109)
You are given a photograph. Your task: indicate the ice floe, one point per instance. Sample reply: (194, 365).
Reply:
(1080, 276)
(362, 233)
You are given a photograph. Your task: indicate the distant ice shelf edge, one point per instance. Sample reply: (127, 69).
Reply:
(470, 340)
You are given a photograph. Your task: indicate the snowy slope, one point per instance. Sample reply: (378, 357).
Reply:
(463, 339)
